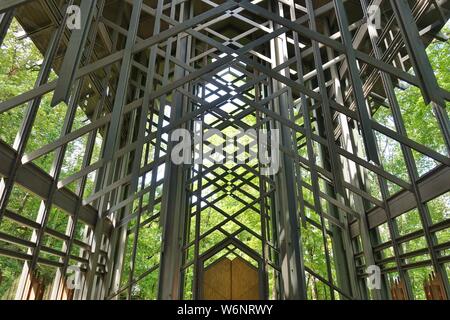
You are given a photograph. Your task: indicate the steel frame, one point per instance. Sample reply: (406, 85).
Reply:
(315, 70)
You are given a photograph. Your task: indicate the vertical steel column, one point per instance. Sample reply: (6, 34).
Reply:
(198, 212)
(58, 284)
(293, 269)
(173, 202)
(265, 234)
(101, 105)
(347, 249)
(142, 127)
(350, 170)
(113, 170)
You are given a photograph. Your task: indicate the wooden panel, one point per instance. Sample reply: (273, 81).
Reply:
(244, 280)
(231, 280)
(217, 281)
(37, 289)
(434, 287)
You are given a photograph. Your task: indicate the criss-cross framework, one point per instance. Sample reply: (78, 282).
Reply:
(328, 76)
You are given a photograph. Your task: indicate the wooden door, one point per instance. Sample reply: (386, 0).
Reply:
(229, 279)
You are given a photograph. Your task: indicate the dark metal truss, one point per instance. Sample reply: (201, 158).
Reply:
(315, 70)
